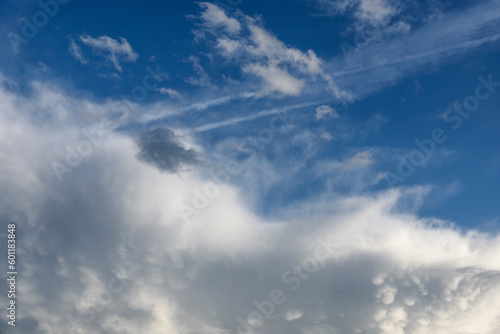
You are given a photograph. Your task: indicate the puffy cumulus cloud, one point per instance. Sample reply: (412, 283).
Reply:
(108, 251)
(246, 42)
(114, 50)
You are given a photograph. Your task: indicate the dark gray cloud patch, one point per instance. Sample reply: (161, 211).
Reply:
(161, 148)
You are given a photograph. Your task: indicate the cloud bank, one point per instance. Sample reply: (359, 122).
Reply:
(108, 250)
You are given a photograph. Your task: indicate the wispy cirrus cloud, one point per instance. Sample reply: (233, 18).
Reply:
(76, 51)
(202, 79)
(324, 110)
(373, 12)
(169, 91)
(115, 51)
(386, 60)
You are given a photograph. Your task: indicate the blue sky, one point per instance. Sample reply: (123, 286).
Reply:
(227, 124)
(406, 104)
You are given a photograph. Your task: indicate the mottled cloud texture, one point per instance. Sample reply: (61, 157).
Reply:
(108, 251)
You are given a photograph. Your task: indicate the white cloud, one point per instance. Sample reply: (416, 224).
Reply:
(203, 78)
(266, 45)
(376, 11)
(346, 264)
(115, 51)
(277, 79)
(326, 136)
(283, 69)
(363, 158)
(263, 113)
(171, 92)
(293, 315)
(373, 12)
(76, 51)
(256, 50)
(215, 17)
(324, 110)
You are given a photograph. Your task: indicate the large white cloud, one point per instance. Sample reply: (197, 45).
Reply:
(108, 249)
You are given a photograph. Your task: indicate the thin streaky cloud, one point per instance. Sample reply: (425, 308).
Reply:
(264, 113)
(423, 55)
(115, 50)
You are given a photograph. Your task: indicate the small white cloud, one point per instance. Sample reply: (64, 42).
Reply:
(214, 17)
(203, 78)
(228, 46)
(277, 80)
(324, 110)
(364, 158)
(293, 315)
(374, 12)
(171, 92)
(112, 49)
(264, 44)
(44, 67)
(327, 136)
(379, 279)
(76, 51)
